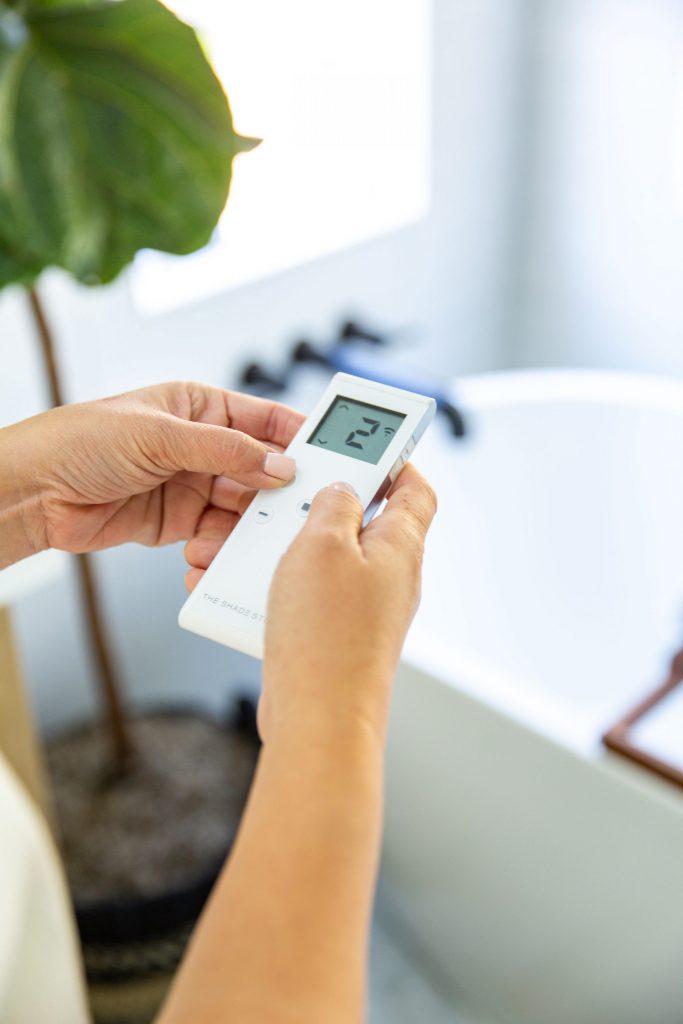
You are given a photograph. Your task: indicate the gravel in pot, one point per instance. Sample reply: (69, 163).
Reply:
(143, 851)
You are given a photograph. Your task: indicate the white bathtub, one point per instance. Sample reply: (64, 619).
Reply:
(541, 878)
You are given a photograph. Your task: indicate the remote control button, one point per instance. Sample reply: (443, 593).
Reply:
(304, 507)
(263, 515)
(395, 469)
(408, 450)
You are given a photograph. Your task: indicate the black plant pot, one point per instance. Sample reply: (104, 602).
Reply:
(132, 942)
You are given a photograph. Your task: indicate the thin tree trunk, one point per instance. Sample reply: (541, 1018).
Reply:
(111, 687)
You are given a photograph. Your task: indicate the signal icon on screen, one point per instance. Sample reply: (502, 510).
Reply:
(388, 431)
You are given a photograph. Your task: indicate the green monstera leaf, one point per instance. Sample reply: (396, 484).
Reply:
(115, 135)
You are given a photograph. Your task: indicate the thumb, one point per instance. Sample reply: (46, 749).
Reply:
(336, 511)
(221, 451)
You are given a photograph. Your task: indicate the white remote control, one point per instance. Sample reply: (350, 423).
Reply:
(360, 432)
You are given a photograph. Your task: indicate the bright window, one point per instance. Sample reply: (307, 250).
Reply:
(339, 92)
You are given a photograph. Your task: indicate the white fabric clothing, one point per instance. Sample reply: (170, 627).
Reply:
(41, 979)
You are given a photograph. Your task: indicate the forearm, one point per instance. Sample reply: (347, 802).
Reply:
(284, 936)
(21, 524)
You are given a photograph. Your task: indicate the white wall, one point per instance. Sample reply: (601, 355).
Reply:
(600, 243)
(440, 279)
(477, 56)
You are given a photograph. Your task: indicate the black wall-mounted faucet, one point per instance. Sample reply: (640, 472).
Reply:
(349, 354)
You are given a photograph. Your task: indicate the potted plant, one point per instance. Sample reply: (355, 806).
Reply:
(116, 135)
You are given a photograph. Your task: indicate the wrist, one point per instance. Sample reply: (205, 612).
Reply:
(331, 708)
(339, 743)
(22, 521)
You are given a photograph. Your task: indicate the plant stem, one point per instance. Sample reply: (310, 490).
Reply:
(121, 746)
(47, 347)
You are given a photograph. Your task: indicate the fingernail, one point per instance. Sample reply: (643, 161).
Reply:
(342, 485)
(282, 467)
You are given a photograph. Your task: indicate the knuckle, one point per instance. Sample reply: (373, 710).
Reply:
(242, 452)
(431, 498)
(422, 512)
(422, 517)
(158, 436)
(332, 536)
(168, 396)
(172, 389)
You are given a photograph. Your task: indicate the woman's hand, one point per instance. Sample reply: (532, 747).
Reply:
(157, 465)
(340, 605)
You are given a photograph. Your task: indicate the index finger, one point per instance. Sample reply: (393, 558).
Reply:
(262, 418)
(409, 511)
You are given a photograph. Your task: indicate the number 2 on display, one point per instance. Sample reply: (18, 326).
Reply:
(373, 424)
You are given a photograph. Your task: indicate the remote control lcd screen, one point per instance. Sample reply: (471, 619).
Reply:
(357, 429)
